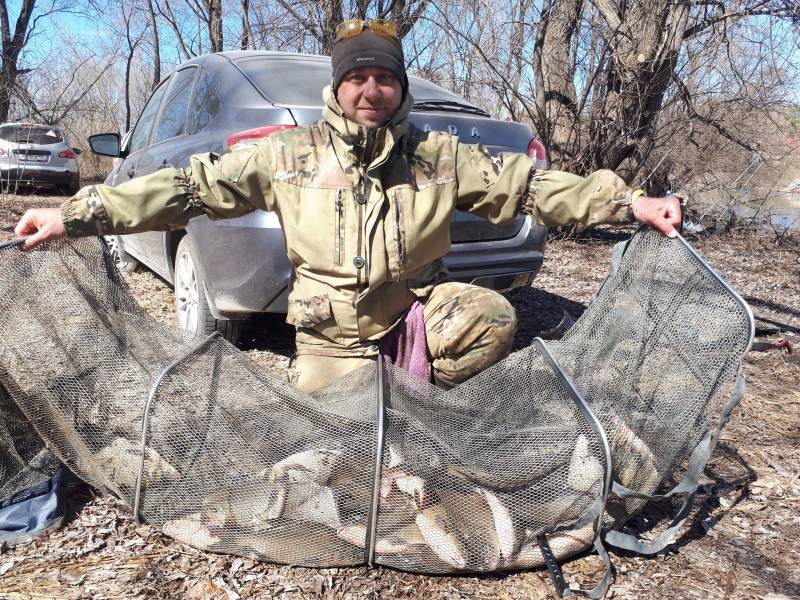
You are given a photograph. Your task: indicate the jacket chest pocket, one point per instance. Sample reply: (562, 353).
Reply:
(418, 227)
(314, 222)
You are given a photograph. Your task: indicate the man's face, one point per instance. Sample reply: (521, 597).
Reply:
(370, 96)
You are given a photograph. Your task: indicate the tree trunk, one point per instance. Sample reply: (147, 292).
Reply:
(646, 38)
(214, 8)
(151, 17)
(332, 16)
(555, 100)
(247, 33)
(127, 18)
(12, 45)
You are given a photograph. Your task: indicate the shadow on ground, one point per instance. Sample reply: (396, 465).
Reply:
(541, 314)
(268, 332)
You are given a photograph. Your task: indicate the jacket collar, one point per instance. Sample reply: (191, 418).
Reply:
(351, 139)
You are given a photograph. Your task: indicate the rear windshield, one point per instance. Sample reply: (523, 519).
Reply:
(30, 134)
(299, 81)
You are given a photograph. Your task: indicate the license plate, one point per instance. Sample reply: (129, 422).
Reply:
(33, 157)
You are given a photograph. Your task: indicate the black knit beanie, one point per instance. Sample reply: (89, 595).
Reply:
(368, 49)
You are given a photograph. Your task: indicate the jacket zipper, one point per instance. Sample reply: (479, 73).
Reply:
(398, 234)
(366, 156)
(339, 243)
(360, 283)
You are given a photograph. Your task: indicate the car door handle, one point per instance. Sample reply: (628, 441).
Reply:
(165, 165)
(131, 172)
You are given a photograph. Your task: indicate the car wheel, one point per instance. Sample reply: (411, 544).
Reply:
(71, 188)
(124, 261)
(191, 306)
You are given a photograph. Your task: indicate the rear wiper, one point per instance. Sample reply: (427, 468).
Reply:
(449, 105)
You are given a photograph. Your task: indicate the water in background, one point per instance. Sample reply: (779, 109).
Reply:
(780, 212)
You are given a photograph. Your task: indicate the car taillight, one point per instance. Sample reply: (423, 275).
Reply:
(2, 152)
(66, 154)
(539, 155)
(250, 136)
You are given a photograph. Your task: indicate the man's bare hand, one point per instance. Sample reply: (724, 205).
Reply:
(39, 225)
(663, 214)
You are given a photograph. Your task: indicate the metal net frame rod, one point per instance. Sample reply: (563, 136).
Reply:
(146, 416)
(11, 244)
(595, 513)
(372, 530)
(594, 422)
(745, 306)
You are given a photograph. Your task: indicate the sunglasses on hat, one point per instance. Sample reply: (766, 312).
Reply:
(354, 27)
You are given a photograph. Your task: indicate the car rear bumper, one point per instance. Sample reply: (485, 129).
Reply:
(499, 264)
(37, 175)
(243, 262)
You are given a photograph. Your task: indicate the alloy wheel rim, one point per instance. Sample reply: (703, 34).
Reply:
(113, 248)
(186, 293)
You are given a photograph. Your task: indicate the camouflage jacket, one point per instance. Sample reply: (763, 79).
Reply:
(365, 212)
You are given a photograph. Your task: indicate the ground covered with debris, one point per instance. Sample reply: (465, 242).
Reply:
(743, 541)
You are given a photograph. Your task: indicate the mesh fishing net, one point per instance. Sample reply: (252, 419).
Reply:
(25, 462)
(558, 440)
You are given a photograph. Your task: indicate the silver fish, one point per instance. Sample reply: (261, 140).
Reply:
(471, 520)
(439, 534)
(635, 465)
(563, 545)
(399, 477)
(585, 470)
(194, 530)
(541, 514)
(398, 542)
(504, 530)
(120, 462)
(296, 543)
(316, 465)
(395, 511)
(311, 503)
(274, 502)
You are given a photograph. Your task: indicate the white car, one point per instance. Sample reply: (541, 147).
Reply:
(32, 155)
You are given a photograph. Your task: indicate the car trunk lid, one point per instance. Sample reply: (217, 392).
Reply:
(496, 136)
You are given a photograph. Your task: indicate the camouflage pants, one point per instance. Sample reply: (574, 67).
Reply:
(467, 329)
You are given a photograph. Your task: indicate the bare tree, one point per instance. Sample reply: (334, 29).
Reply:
(151, 19)
(640, 65)
(13, 44)
(247, 33)
(165, 10)
(310, 25)
(209, 14)
(556, 98)
(606, 84)
(132, 41)
(319, 19)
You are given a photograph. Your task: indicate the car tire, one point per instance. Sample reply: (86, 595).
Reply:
(71, 188)
(124, 261)
(191, 305)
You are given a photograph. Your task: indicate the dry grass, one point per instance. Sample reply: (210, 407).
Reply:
(742, 541)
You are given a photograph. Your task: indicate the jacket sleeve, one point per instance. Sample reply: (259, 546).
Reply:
(220, 186)
(499, 187)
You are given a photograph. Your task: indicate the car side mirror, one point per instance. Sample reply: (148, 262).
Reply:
(77, 150)
(105, 144)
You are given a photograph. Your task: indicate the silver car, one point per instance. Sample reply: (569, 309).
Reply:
(224, 271)
(34, 155)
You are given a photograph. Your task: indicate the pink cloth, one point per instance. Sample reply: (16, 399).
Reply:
(405, 345)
